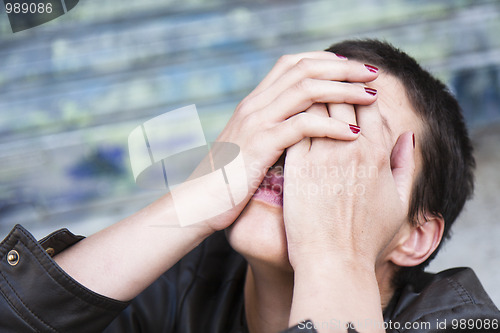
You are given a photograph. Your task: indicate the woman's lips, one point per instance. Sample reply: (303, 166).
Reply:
(270, 190)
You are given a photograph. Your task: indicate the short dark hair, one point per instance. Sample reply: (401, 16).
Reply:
(446, 180)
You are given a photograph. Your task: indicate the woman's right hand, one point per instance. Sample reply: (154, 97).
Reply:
(271, 118)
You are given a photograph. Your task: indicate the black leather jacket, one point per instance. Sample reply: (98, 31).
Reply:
(203, 292)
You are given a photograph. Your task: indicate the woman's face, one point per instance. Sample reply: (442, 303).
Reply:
(259, 233)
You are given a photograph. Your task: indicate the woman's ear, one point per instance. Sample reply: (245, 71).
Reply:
(418, 242)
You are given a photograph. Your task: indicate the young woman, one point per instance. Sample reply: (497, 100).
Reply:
(357, 164)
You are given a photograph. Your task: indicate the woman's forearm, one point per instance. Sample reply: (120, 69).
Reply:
(123, 259)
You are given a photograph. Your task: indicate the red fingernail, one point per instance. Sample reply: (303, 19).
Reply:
(413, 136)
(371, 68)
(371, 91)
(340, 56)
(355, 129)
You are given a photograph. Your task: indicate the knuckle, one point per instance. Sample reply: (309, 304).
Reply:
(298, 122)
(305, 85)
(252, 120)
(243, 105)
(286, 59)
(305, 65)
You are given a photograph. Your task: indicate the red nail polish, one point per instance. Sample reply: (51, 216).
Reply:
(413, 137)
(355, 129)
(371, 91)
(371, 68)
(340, 56)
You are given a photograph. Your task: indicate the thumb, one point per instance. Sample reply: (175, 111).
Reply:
(403, 165)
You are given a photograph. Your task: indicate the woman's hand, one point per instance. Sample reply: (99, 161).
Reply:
(271, 118)
(346, 200)
(343, 203)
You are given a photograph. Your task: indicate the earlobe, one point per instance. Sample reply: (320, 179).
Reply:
(418, 243)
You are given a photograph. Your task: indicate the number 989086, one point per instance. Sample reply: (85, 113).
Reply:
(28, 8)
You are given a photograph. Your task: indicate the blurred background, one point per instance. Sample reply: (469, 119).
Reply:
(72, 90)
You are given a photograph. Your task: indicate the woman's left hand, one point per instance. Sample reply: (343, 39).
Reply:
(343, 203)
(346, 200)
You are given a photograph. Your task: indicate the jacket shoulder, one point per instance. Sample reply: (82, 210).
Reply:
(445, 299)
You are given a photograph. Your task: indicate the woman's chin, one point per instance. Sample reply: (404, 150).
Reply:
(259, 235)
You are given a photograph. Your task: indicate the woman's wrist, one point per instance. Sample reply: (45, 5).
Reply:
(330, 265)
(336, 293)
(169, 218)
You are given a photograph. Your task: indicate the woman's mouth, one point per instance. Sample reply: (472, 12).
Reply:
(270, 190)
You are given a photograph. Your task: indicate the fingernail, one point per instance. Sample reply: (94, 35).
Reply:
(340, 56)
(371, 91)
(355, 129)
(413, 136)
(371, 68)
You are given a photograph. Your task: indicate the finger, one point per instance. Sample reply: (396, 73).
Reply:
(304, 125)
(403, 165)
(319, 69)
(297, 151)
(344, 112)
(304, 145)
(309, 91)
(286, 62)
(371, 122)
(318, 109)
